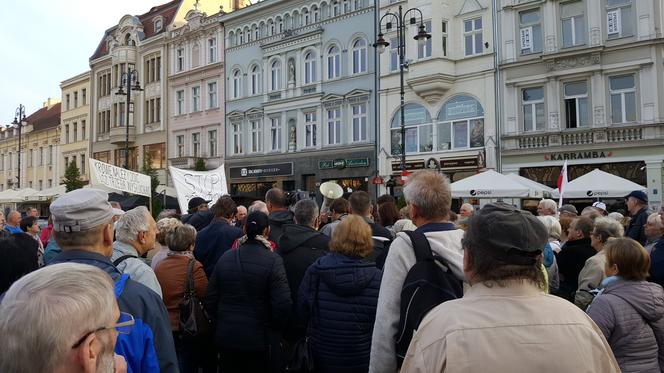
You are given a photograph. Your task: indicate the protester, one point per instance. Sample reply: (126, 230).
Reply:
(19, 253)
(248, 295)
(218, 237)
(279, 215)
(637, 204)
(616, 216)
(387, 216)
(117, 211)
(258, 205)
(654, 229)
(573, 256)
(30, 227)
(592, 274)
(601, 208)
(13, 224)
(360, 204)
(657, 258)
(83, 228)
(630, 311)
(240, 216)
(2, 220)
(552, 246)
(339, 209)
(565, 221)
(31, 211)
(164, 227)
(547, 207)
(136, 234)
(338, 298)
(62, 318)
(568, 210)
(199, 214)
(505, 318)
(591, 213)
(172, 273)
(45, 234)
(466, 210)
(429, 199)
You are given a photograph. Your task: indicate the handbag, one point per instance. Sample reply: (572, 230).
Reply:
(194, 320)
(302, 358)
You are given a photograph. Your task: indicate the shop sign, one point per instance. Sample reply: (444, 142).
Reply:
(481, 192)
(597, 193)
(415, 165)
(577, 155)
(433, 164)
(459, 163)
(343, 163)
(339, 163)
(357, 162)
(275, 169)
(378, 180)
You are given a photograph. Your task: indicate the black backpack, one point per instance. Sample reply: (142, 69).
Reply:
(427, 285)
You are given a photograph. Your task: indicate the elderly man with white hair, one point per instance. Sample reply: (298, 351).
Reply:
(135, 235)
(62, 318)
(547, 207)
(654, 229)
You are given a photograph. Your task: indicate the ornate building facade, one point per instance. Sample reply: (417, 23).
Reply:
(75, 125)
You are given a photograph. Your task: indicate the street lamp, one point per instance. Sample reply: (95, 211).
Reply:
(380, 45)
(19, 122)
(130, 79)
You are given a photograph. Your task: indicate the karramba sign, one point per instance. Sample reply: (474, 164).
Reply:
(577, 155)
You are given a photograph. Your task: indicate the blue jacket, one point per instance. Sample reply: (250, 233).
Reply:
(657, 263)
(149, 347)
(51, 251)
(213, 241)
(636, 229)
(338, 297)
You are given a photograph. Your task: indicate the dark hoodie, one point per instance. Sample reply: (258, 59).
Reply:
(571, 260)
(338, 296)
(277, 220)
(199, 219)
(630, 315)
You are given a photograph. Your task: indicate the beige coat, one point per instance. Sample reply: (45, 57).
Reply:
(509, 329)
(590, 278)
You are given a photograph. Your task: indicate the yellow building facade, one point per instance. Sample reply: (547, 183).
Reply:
(75, 125)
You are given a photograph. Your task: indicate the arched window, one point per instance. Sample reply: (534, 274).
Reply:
(262, 30)
(238, 37)
(419, 130)
(231, 38)
(280, 25)
(307, 17)
(158, 25)
(333, 62)
(275, 75)
(460, 124)
(255, 80)
(359, 56)
(309, 67)
(270, 27)
(241, 41)
(247, 33)
(237, 83)
(315, 13)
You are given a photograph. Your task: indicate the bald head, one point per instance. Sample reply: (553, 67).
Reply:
(14, 219)
(275, 199)
(466, 210)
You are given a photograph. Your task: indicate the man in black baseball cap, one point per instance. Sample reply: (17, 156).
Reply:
(199, 214)
(637, 205)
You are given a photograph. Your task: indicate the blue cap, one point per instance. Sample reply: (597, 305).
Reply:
(638, 195)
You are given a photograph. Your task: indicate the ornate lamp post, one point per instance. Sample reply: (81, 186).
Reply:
(19, 122)
(129, 79)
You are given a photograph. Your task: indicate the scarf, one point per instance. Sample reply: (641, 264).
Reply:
(258, 238)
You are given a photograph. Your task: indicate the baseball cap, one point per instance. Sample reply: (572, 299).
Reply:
(568, 208)
(195, 202)
(514, 236)
(80, 210)
(638, 195)
(600, 205)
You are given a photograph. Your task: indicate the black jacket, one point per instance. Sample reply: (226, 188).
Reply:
(213, 241)
(636, 229)
(382, 239)
(250, 300)
(199, 219)
(571, 259)
(277, 221)
(338, 296)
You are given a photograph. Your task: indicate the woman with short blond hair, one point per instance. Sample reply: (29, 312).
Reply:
(338, 298)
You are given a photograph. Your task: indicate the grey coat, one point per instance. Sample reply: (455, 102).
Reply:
(630, 314)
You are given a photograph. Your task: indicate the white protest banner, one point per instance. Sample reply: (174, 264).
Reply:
(119, 179)
(209, 185)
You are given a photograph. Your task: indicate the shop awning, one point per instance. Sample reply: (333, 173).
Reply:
(489, 184)
(599, 184)
(537, 190)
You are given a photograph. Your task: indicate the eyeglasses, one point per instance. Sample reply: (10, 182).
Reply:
(123, 326)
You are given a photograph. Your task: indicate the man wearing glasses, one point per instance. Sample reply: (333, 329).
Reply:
(62, 318)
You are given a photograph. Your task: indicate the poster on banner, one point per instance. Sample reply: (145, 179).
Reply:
(209, 185)
(119, 178)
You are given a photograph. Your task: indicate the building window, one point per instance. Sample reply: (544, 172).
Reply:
(394, 54)
(179, 95)
(359, 122)
(83, 164)
(179, 56)
(573, 23)
(309, 67)
(195, 99)
(75, 134)
(359, 56)
(212, 95)
(103, 156)
(83, 135)
(334, 126)
(333, 62)
(472, 33)
(444, 37)
(66, 134)
(41, 184)
(530, 31)
(256, 135)
(84, 96)
(275, 75)
(212, 50)
(67, 101)
(255, 80)
(180, 145)
(623, 99)
(533, 109)
(212, 143)
(424, 50)
(237, 84)
(50, 154)
(75, 99)
(576, 104)
(41, 157)
(619, 18)
(158, 24)
(237, 138)
(133, 158)
(196, 144)
(275, 134)
(157, 155)
(310, 129)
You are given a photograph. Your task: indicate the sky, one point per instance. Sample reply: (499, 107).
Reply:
(44, 42)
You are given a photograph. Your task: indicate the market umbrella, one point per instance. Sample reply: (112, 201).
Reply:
(599, 184)
(537, 190)
(488, 184)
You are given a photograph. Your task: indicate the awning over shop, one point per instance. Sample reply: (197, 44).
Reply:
(489, 184)
(537, 190)
(599, 184)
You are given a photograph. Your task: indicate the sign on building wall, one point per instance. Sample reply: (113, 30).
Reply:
(210, 185)
(119, 178)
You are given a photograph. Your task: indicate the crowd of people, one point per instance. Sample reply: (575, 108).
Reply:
(359, 286)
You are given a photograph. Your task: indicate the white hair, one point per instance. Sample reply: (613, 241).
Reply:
(606, 228)
(258, 206)
(616, 216)
(131, 224)
(552, 226)
(656, 220)
(44, 313)
(549, 204)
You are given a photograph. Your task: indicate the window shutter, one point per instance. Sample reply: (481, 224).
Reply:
(613, 21)
(526, 38)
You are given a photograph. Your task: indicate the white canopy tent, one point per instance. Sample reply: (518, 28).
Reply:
(537, 190)
(599, 184)
(47, 194)
(12, 195)
(489, 184)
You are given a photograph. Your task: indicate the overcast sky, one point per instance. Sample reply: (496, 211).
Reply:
(45, 42)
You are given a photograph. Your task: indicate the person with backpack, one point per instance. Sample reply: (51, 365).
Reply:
(506, 322)
(429, 199)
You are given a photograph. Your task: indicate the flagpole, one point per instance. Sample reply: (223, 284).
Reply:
(562, 183)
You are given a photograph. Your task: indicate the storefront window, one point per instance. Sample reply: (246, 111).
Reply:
(157, 154)
(133, 158)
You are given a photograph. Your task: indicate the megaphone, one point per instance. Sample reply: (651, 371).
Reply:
(331, 190)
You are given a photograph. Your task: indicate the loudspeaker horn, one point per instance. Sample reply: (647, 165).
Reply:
(331, 190)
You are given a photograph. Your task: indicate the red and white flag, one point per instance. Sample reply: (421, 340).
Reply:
(562, 183)
(404, 177)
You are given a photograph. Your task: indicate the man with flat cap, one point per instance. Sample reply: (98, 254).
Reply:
(199, 215)
(505, 322)
(83, 228)
(637, 205)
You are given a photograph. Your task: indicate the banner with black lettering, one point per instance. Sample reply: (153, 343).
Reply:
(209, 185)
(119, 178)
